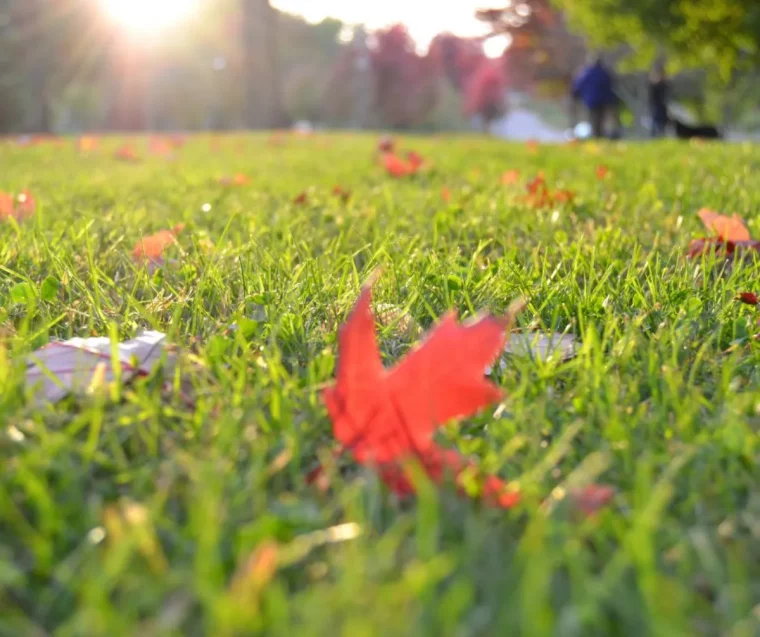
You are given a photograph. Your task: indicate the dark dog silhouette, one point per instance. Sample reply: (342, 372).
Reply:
(703, 131)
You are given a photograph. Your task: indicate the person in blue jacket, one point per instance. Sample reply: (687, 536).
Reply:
(594, 86)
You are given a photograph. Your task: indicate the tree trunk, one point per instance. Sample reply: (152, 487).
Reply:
(261, 72)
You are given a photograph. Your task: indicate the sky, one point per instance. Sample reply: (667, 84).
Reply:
(423, 18)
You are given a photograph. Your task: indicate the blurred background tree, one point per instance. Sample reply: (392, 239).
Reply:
(66, 67)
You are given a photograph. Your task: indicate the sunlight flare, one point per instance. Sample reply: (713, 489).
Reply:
(148, 16)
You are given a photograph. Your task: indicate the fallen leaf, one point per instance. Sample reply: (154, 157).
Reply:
(724, 227)
(563, 196)
(341, 192)
(510, 177)
(750, 298)
(19, 207)
(87, 143)
(387, 418)
(591, 498)
(151, 248)
(69, 367)
(239, 179)
(301, 199)
(7, 205)
(731, 240)
(161, 147)
(126, 153)
(415, 160)
(446, 194)
(386, 145)
(602, 172)
(253, 575)
(397, 167)
(542, 345)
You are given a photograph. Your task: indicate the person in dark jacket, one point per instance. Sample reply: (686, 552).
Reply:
(659, 90)
(595, 88)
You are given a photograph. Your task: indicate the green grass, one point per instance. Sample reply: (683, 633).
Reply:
(129, 513)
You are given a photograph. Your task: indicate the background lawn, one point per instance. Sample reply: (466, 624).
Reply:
(128, 512)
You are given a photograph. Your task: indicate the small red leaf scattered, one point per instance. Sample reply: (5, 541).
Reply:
(731, 238)
(563, 196)
(87, 143)
(724, 227)
(540, 196)
(591, 498)
(386, 145)
(126, 153)
(19, 207)
(750, 298)
(415, 160)
(160, 147)
(602, 171)
(387, 417)
(341, 192)
(239, 179)
(151, 248)
(510, 177)
(301, 198)
(397, 167)
(7, 205)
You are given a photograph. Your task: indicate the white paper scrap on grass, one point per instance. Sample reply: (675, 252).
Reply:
(66, 367)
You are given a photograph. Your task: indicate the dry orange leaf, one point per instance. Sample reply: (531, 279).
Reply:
(87, 143)
(301, 198)
(602, 171)
(397, 167)
(591, 498)
(415, 160)
(343, 193)
(151, 248)
(446, 194)
(510, 177)
(239, 179)
(386, 145)
(724, 227)
(161, 147)
(19, 207)
(126, 153)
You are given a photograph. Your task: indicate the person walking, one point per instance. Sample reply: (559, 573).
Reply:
(594, 87)
(659, 90)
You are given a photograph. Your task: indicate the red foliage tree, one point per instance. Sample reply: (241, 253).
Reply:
(543, 54)
(405, 83)
(485, 91)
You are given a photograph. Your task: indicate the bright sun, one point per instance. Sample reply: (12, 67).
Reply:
(148, 16)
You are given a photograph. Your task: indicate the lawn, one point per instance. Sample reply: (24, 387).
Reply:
(133, 510)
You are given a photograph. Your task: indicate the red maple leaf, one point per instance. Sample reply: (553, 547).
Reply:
(343, 193)
(510, 177)
(126, 153)
(151, 248)
(19, 207)
(415, 160)
(750, 298)
(730, 236)
(386, 417)
(385, 145)
(591, 498)
(397, 167)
